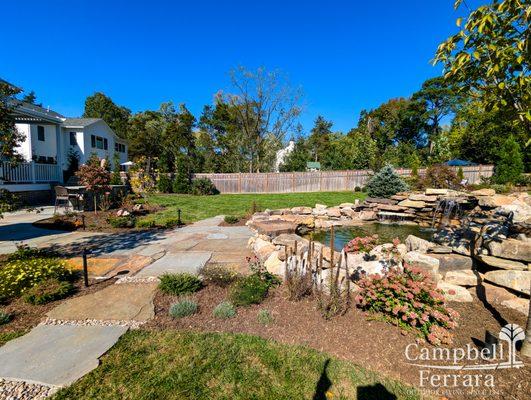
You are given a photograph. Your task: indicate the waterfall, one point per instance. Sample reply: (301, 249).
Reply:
(446, 207)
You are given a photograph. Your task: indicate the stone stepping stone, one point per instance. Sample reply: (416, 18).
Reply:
(125, 302)
(57, 355)
(175, 262)
(221, 245)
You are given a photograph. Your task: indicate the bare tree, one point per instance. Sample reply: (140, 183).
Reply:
(266, 108)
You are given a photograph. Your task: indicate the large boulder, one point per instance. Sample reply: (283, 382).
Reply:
(263, 248)
(367, 215)
(465, 277)
(347, 205)
(274, 228)
(334, 212)
(414, 243)
(371, 267)
(422, 197)
(436, 192)
(503, 263)
(518, 281)
(428, 264)
(274, 265)
(289, 239)
(494, 201)
(483, 192)
(412, 204)
(513, 249)
(491, 293)
(301, 210)
(455, 293)
(381, 251)
(452, 262)
(518, 304)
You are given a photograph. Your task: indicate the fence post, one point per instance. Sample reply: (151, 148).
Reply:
(293, 182)
(32, 169)
(320, 180)
(267, 183)
(240, 182)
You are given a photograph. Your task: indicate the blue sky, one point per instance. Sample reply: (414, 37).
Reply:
(346, 55)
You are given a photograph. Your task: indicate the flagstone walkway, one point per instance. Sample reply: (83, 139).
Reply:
(68, 343)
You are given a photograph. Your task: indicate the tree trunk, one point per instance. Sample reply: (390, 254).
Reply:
(526, 348)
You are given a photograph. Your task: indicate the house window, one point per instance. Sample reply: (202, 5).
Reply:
(40, 133)
(73, 140)
(119, 147)
(98, 142)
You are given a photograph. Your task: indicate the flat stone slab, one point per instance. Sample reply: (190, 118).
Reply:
(125, 302)
(57, 355)
(184, 261)
(217, 236)
(221, 245)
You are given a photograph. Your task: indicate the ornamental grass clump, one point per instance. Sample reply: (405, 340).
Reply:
(224, 310)
(265, 317)
(4, 317)
(409, 299)
(183, 308)
(180, 283)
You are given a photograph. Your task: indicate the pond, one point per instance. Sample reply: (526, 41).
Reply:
(386, 233)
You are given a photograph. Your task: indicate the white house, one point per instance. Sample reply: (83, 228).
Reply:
(49, 137)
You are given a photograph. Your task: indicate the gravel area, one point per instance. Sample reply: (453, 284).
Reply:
(19, 390)
(94, 322)
(132, 279)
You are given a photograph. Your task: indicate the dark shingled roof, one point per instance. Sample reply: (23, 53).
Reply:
(80, 121)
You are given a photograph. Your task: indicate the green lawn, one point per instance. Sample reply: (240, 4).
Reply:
(7, 336)
(181, 365)
(195, 208)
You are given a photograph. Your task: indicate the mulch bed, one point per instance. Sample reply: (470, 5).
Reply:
(25, 316)
(96, 222)
(356, 337)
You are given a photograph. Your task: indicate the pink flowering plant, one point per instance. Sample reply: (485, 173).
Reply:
(409, 298)
(362, 244)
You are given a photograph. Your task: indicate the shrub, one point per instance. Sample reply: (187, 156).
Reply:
(409, 299)
(122, 222)
(181, 183)
(203, 187)
(5, 317)
(170, 223)
(265, 317)
(164, 184)
(460, 174)
(8, 201)
(249, 290)
(231, 219)
(218, 275)
(440, 176)
(257, 268)
(17, 276)
(501, 188)
(357, 189)
(144, 223)
(183, 308)
(24, 252)
(385, 183)
(95, 177)
(224, 310)
(511, 164)
(180, 283)
(48, 290)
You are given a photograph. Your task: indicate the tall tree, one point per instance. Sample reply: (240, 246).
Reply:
(179, 140)
(319, 140)
(10, 137)
(265, 107)
(224, 130)
(146, 136)
(101, 106)
(299, 156)
(489, 57)
(439, 99)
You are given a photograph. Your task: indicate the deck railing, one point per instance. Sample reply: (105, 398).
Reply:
(29, 172)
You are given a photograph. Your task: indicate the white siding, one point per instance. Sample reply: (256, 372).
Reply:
(101, 129)
(46, 148)
(24, 148)
(79, 147)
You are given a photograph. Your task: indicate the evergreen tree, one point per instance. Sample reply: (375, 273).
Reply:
(319, 139)
(100, 106)
(385, 183)
(511, 164)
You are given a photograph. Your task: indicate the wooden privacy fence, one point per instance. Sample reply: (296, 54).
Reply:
(322, 181)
